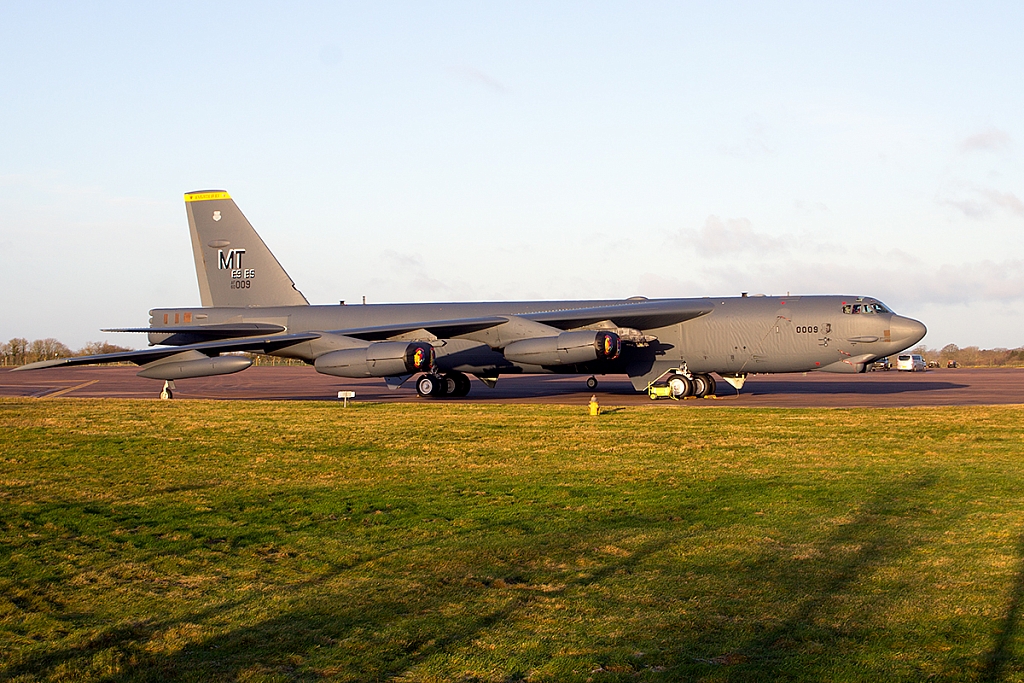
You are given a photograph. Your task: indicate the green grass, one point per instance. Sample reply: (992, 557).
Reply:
(253, 541)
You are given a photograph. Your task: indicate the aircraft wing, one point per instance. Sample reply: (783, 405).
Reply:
(641, 315)
(442, 329)
(141, 357)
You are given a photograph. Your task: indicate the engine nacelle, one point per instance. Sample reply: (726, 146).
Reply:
(379, 359)
(566, 349)
(185, 368)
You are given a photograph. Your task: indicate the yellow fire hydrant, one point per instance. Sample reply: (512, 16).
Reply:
(595, 409)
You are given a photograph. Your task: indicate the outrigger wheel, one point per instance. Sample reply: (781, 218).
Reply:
(591, 383)
(167, 392)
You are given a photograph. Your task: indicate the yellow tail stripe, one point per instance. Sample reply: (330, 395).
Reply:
(205, 196)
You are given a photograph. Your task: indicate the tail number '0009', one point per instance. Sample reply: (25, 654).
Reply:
(240, 284)
(807, 329)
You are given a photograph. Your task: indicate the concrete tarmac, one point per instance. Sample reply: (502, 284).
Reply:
(988, 386)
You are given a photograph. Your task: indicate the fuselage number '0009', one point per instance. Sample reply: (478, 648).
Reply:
(807, 329)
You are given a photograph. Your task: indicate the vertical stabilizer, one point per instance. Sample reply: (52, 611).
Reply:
(233, 265)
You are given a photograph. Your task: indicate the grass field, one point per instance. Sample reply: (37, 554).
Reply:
(252, 541)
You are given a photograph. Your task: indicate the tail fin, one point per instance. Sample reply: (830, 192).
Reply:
(234, 266)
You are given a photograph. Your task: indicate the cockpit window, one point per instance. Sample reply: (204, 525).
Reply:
(864, 308)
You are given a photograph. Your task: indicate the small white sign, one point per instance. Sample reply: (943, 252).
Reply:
(346, 395)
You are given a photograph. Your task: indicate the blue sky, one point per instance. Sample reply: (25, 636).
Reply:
(463, 151)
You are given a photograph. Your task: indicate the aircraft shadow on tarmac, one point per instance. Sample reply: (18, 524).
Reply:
(847, 387)
(558, 385)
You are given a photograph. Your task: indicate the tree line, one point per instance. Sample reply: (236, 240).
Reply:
(21, 351)
(973, 356)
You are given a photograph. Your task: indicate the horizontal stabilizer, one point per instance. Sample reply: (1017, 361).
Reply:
(219, 331)
(196, 334)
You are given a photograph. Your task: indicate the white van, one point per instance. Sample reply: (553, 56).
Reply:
(910, 362)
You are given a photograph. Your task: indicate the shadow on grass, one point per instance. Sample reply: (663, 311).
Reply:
(998, 657)
(815, 586)
(403, 632)
(378, 632)
(814, 583)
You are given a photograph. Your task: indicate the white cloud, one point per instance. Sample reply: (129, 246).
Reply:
(984, 202)
(990, 140)
(730, 236)
(1006, 200)
(739, 257)
(947, 284)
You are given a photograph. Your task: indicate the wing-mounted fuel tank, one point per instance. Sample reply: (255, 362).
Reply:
(379, 359)
(190, 364)
(567, 348)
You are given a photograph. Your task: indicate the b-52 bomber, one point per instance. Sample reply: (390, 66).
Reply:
(249, 303)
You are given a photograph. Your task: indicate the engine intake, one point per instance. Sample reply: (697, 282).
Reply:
(379, 359)
(566, 349)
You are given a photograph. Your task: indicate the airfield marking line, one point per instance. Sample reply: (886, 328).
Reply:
(55, 394)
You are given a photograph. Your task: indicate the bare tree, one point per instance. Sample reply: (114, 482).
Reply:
(16, 351)
(97, 348)
(46, 349)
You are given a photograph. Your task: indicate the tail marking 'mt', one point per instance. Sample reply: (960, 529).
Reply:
(234, 266)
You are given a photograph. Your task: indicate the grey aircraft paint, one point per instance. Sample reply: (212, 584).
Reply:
(251, 304)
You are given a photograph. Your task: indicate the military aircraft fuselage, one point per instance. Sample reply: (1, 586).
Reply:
(729, 336)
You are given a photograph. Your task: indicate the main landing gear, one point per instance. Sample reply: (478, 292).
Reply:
(449, 384)
(591, 383)
(678, 386)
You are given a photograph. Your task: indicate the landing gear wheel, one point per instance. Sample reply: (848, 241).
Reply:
(680, 385)
(700, 385)
(591, 383)
(449, 384)
(462, 384)
(427, 385)
(712, 384)
(166, 393)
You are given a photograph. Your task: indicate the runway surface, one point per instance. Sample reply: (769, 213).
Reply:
(933, 388)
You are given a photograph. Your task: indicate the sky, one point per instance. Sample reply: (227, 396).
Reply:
(517, 150)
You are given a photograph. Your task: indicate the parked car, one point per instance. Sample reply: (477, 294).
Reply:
(881, 364)
(910, 362)
(933, 363)
(952, 364)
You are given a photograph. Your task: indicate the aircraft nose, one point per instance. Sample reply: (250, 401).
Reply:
(906, 331)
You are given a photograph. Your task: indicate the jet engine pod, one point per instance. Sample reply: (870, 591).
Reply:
(566, 349)
(183, 366)
(379, 359)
